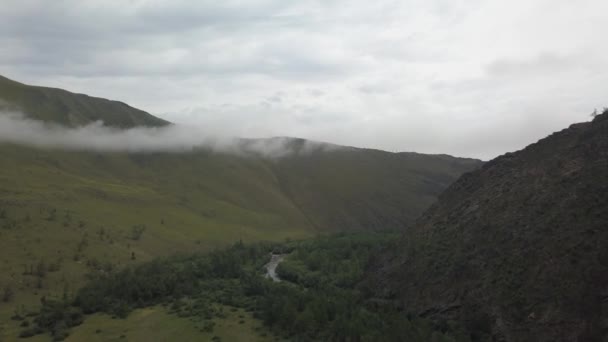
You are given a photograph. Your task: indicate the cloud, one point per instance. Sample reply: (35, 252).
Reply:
(465, 77)
(16, 129)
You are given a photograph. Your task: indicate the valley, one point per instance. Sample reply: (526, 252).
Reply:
(285, 239)
(69, 215)
(303, 171)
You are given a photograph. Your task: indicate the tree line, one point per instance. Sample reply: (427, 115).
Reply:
(318, 299)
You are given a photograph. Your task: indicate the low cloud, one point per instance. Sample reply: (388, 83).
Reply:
(468, 78)
(15, 128)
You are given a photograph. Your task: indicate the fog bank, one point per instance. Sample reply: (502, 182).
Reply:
(17, 129)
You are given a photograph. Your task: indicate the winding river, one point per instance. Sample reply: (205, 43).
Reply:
(271, 266)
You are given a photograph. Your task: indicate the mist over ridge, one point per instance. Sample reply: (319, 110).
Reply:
(16, 128)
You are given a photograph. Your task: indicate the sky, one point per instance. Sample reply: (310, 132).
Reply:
(463, 77)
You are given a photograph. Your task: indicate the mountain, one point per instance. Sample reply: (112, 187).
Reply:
(69, 109)
(518, 249)
(68, 212)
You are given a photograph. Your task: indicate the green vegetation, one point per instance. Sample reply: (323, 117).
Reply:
(85, 211)
(69, 109)
(317, 301)
(66, 216)
(156, 324)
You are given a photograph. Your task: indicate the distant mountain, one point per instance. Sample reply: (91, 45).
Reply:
(69, 109)
(517, 249)
(366, 189)
(83, 210)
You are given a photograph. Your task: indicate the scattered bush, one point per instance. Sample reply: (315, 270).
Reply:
(317, 300)
(137, 231)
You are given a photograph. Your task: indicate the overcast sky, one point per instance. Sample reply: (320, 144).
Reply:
(468, 78)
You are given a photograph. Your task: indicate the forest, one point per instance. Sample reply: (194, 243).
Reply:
(319, 297)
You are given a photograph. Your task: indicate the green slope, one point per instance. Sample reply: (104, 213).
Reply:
(366, 189)
(78, 211)
(69, 109)
(71, 212)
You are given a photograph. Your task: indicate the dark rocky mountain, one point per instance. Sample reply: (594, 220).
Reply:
(518, 249)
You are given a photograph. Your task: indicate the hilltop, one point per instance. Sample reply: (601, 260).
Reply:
(70, 109)
(516, 249)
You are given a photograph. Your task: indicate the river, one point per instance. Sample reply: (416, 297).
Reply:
(271, 266)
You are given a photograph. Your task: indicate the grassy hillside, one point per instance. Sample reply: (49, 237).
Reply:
(75, 212)
(366, 189)
(155, 324)
(515, 250)
(65, 214)
(69, 109)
